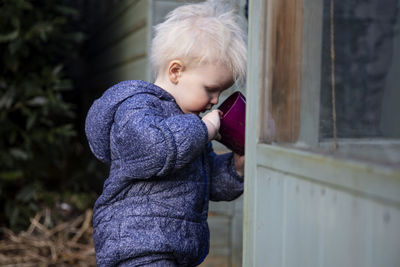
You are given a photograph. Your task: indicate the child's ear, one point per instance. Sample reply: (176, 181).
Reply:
(175, 70)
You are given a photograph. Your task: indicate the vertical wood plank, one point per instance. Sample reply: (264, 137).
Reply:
(237, 233)
(255, 86)
(284, 36)
(311, 72)
(269, 221)
(301, 228)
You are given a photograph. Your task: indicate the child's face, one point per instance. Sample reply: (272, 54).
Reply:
(199, 87)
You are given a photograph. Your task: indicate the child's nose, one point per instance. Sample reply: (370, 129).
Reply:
(214, 100)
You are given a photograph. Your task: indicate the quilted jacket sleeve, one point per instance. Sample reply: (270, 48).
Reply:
(146, 143)
(225, 183)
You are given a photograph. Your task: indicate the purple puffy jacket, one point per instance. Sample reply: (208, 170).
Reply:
(162, 174)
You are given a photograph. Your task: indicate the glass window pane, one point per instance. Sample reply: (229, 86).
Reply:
(366, 69)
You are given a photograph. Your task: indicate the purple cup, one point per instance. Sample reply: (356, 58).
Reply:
(233, 122)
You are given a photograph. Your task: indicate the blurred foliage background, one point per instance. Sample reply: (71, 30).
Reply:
(44, 159)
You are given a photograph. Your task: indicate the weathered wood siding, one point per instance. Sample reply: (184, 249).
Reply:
(119, 47)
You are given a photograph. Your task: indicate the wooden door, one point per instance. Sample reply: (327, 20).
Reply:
(306, 202)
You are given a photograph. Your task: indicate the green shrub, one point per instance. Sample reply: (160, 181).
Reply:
(40, 152)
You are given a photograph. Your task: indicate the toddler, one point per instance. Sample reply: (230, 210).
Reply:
(163, 171)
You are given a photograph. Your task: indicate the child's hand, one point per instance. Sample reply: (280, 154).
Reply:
(213, 122)
(239, 163)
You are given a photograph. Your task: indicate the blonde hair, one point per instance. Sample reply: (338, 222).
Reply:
(200, 33)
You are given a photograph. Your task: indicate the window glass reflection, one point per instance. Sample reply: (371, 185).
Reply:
(366, 68)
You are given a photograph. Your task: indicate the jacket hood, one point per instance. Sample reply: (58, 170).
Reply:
(100, 116)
